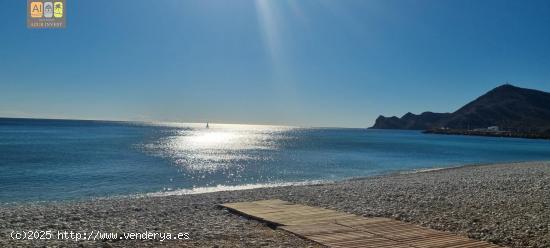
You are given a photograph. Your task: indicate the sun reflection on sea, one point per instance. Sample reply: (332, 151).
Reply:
(223, 146)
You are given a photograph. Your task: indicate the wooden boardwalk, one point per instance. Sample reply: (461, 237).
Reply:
(336, 229)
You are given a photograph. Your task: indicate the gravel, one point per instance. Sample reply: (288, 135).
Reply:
(506, 204)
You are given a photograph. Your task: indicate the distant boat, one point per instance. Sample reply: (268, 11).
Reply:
(207, 125)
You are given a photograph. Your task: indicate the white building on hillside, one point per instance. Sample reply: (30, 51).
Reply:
(493, 129)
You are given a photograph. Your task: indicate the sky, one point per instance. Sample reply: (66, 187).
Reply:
(332, 63)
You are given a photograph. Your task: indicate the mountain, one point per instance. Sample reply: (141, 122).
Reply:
(411, 121)
(509, 107)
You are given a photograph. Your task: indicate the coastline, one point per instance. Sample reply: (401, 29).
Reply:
(229, 188)
(506, 204)
(499, 134)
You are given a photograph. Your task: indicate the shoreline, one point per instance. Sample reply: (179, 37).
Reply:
(254, 186)
(208, 190)
(498, 134)
(504, 203)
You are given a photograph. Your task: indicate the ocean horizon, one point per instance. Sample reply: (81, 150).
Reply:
(53, 160)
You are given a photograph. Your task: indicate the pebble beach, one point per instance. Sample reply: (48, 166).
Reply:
(506, 204)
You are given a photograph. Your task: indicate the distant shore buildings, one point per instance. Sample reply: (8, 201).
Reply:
(488, 129)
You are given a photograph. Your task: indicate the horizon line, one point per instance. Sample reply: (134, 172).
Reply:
(173, 122)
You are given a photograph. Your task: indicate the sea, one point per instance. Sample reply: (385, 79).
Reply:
(58, 160)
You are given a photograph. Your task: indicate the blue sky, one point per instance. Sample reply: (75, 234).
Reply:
(306, 62)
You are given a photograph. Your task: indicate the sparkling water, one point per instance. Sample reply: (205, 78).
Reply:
(68, 159)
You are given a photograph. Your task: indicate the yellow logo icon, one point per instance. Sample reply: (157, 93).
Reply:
(36, 9)
(58, 9)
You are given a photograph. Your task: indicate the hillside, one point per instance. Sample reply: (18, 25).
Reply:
(508, 107)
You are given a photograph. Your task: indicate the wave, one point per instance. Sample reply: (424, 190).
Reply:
(218, 188)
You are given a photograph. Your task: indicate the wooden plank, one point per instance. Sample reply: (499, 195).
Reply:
(336, 229)
(305, 230)
(361, 221)
(370, 243)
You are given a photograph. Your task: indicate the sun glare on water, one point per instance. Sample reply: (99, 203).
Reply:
(213, 140)
(221, 147)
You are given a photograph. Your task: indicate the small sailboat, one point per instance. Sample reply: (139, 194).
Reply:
(207, 126)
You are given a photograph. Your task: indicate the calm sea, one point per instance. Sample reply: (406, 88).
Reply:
(44, 160)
